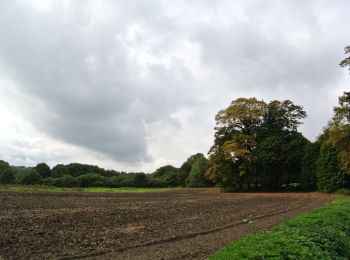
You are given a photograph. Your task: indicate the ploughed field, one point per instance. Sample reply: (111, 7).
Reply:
(178, 224)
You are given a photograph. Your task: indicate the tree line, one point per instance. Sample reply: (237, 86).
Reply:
(190, 174)
(257, 147)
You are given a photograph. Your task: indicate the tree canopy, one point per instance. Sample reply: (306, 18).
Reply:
(252, 138)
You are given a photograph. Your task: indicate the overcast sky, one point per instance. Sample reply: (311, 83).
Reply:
(134, 85)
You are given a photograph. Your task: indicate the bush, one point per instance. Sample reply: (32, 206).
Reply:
(322, 234)
(7, 176)
(31, 177)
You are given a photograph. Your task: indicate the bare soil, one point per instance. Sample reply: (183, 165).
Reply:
(180, 224)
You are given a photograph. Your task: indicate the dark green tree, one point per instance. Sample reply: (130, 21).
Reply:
(330, 175)
(168, 174)
(91, 180)
(308, 177)
(4, 165)
(7, 176)
(43, 169)
(279, 160)
(197, 177)
(186, 167)
(30, 177)
(59, 171)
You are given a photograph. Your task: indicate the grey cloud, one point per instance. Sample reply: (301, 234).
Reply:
(91, 91)
(77, 63)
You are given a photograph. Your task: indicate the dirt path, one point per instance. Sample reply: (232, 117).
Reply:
(182, 224)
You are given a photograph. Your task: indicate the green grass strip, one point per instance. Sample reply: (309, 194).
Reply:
(322, 234)
(41, 188)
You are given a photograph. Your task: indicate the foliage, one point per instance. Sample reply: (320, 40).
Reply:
(43, 169)
(91, 180)
(4, 165)
(7, 176)
(330, 174)
(167, 174)
(65, 181)
(197, 176)
(59, 171)
(322, 234)
(256, 145)
(308, 176)
(31, 177)
(185, 169)
(279, 159)
(78, 169)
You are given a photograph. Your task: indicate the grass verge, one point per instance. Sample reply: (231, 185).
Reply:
(322, 234)
(41, 188)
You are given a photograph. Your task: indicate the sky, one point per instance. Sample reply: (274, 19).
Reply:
(135, 85)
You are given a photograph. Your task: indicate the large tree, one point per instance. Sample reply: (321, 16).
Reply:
(232, 157)
(250, 128)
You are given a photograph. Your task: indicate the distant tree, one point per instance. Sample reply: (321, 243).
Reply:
(91, 180)
(4, 165)
(43, 169)
(186, 167)
(59, 171)
(140, 180)
(31, 177)
(77, 169)
(7, 176)
(66, 181)
(330, 174)
(197, 177)
(168, 174)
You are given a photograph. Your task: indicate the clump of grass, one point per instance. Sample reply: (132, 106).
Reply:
(322, 234)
